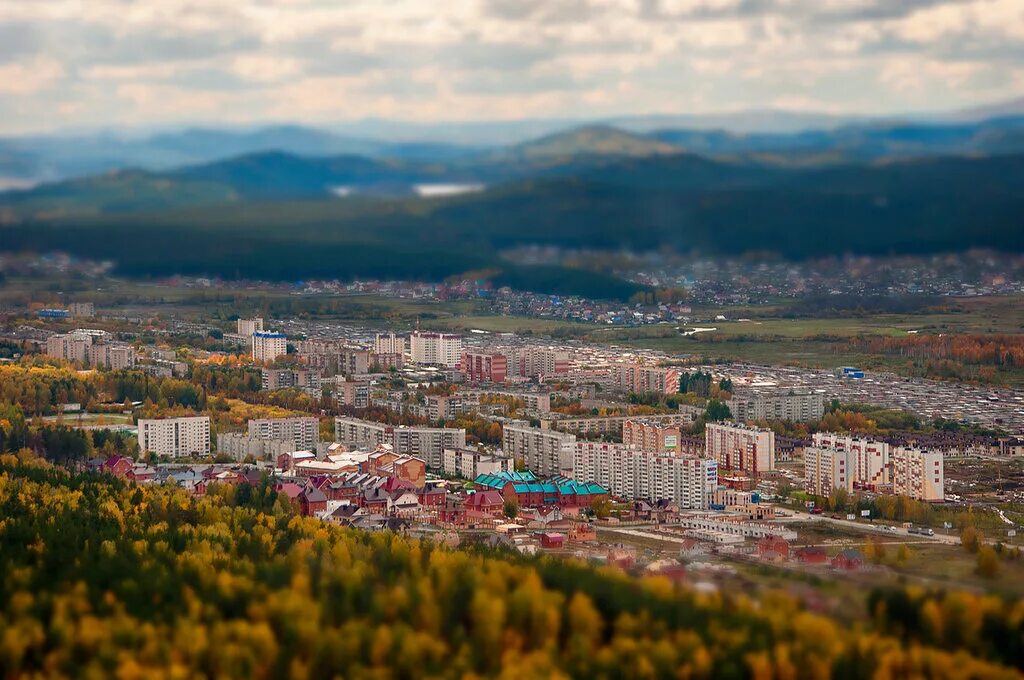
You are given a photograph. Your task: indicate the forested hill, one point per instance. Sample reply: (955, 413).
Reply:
(102, 579)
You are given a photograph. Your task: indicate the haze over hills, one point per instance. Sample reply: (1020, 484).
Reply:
(789, 136)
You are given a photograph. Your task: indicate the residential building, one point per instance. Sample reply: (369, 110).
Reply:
(427, 443)
(918, 473)
(870, 463)
(479, 367)
(268, 346)
(793, 405)
(240, 445)
(470, 463)
(531, 492)
(175, 437)
(597, 425)
(545, 452)
(354, 393)
(303, 430)
(115, 356)
(651, 436)
(633, 473)
(827, 470)
(532, 362)
(69, 346)
(248, 327)
(638, 378)
(389, 343)
(307, 379)
(740, 447)
(82, 309)
(444, 349)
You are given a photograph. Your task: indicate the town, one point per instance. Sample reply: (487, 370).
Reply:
(629, 457)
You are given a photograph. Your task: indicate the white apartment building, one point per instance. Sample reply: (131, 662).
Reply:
(268, 346)
(388, 343)
(632, 473)
(827, 470)
(544, 452)
(469, 463)
(427, 443)
(527, 362)
(918, 473)
(740, 447)
(304, 431)
(238, 445)
(443, 349)
(870, 464)
(175, 437)
(247, 327)
(792, 405)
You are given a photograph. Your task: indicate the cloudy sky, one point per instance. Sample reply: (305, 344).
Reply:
(84, 63)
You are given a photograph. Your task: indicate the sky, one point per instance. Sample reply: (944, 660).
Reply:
(72, 64)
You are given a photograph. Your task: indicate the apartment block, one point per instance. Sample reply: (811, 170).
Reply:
(469, 463)
(427, 443)
(740, 447)
(531, 362)
(352, 393)
(284, 378)
(247, 327)
(827, 470)
(652, 436)
(639, 379)
(175, 437)
(792, 405)
(389, 343)
(268, 346)
(633, 473)
(918, 473)
(82, 309)
(539, 402)
(444, 349)
(69, 346)
(544, 452)
(484, 367)
(239, 445)
(870, 464)
(115, 356)
(304, 430)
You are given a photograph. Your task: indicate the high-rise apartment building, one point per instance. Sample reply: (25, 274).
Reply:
(787, 404)
(544, 452)
(740, 447)
(827, 470)
(530, 362)
(652, 436)
(870, 463)
(484, 367)
(389, 343)
(268, 346)
(638, 378)
(175, 437)
(918, 473)
(247, 327)
(444, 349)
(633, 473)
(304, 430)
(427, 443)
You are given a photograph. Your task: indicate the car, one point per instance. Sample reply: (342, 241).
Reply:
(816, 511)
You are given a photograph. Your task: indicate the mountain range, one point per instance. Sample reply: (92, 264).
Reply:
(433, 211)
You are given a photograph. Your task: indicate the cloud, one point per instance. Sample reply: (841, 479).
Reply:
(133, 62)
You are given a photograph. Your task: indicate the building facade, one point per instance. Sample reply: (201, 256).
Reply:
(792, 405)
(484, 367)
(652, 436)
(427, 443)
(469, 463)
(638, 378)
(268, 346)
(633, 473)
(443, 349)
(740, 447)
(544, 452)
(918, 473)
(175, 437)
(247, 327)
(389, 343)
(240, 445)
(304, 431)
